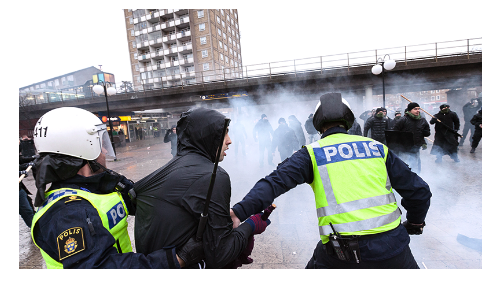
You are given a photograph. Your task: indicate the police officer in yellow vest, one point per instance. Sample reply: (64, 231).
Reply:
(81, 220)
(352, 178)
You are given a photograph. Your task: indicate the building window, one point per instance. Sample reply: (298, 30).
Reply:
(201, 27)
(223, 23)
(224, 36)
(204, 54)
(206, 66)
(222, 12)
(219, 32)
(228, 18)
(218, 20)
(221, 57)
(203, 40)
(220, 44)
(438, 97)
(200, 13)
(229, 39)
(225, 48)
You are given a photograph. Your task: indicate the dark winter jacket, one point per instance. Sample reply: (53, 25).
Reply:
(171, 199)
(309, 127)
(445, 140)
(296, 126)
(418, 127)
(476, 120)
(451, 121)
(469, 111)
(263, 131)
(285, 139)
(355, 129)
(27, 147)
(173, 138)
(378, 127)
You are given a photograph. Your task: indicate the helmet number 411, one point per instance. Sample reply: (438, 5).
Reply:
(40, 132)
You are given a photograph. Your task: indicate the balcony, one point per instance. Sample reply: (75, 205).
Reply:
(143, 57)
(183, 34)
(155, 42)
(149, 68)
(186, 61)
(169, 38)
(157, 54)
(172, 64)
(184, 48)
(137, 33)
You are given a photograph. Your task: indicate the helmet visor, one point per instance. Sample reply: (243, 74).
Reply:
(106, 145)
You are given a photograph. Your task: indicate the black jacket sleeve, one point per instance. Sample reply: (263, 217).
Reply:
(95, 248)
(414, 191)
(222, 243)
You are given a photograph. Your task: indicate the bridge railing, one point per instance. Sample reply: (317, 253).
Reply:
(401, 54)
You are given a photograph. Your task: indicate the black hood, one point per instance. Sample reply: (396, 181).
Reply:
(200, 131)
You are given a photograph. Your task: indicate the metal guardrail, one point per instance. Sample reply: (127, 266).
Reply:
(402, 55)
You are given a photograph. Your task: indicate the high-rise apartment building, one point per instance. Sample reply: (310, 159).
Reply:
(171, 47)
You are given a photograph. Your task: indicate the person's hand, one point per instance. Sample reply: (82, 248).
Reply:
(413, 228)
(257, 223)
(25, 173)
(424, 146)
(480, 126)
(190, 253)
(235, 219)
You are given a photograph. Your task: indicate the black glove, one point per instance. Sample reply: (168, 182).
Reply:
(413, 229)
(192, 252)
(125, 187)
(23, 173)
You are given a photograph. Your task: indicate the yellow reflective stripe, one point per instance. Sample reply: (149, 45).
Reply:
(346, 207)
(362, 224)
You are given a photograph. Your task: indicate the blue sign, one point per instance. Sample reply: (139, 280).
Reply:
(348, 151)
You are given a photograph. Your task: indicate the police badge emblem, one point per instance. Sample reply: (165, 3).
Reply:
(70, 242)
(71, 245)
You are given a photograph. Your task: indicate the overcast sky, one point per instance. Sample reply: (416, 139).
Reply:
(55, 38)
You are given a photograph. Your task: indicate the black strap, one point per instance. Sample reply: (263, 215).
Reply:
(170, 259)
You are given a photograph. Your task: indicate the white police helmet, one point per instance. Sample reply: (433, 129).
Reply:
(74, 132)
(332, 108)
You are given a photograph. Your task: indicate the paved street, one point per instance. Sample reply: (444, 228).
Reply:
(452, 238)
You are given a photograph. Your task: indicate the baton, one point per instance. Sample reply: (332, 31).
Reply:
(435, 118)
(24, 175)
(204, 215)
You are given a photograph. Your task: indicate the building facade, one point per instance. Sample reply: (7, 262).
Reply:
(172, 47)
(71, 86)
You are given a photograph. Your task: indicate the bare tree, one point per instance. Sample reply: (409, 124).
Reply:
(126, 86)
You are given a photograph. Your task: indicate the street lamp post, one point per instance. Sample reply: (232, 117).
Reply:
(99, 89)
(380, 67)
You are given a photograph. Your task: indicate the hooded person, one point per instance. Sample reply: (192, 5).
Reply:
(170, 200)
(413, 122)
(309, 128)
(378, 124)
(469, 110)
(81, 221)
(262, 133)
(352, 178)
(296, 126)
(285, 140)
(477, 122)
(445, 142)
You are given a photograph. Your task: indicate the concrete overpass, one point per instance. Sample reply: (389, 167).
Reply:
(448, 72)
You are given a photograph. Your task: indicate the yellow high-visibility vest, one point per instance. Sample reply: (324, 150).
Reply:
(111, 210)
(351, 186)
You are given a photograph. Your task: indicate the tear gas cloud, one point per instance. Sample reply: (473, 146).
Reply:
(447, 181)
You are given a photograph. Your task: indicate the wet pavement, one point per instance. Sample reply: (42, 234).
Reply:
(452, 238)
